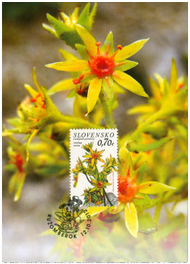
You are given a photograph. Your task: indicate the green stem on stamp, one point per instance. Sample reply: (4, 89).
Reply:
(106, 110)
(88, 179)
(104, 200)
(107, 197)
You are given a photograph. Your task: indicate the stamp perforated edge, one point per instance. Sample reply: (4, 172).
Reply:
(70, 168)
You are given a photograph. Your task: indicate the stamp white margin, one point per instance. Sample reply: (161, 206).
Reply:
(86, 136)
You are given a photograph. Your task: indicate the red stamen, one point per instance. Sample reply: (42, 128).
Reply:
(76, 81)
(38, 95)
(119, 63)
(106, 78)
(119, 47)
(89, 54)
(33, 100)
(99, 184)
(98, 44)
(107, 50)
(181, 85)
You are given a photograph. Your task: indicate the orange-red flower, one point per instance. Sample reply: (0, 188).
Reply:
(18, 161)
(127, 189)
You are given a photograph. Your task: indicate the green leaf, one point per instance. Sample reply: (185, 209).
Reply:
(85, 19)
(129, 83)
(117, 209)
(14, 122)
(53, 170)
(82, 51)
(146, 223)
(142, 203)
(157, 130)
(153, 187)
(16, 183)
(50, 29)
(131, 220)
(135, 147)
(140, 171)
(167, 229)
(108, 89)
(108, 42)
(66, 33)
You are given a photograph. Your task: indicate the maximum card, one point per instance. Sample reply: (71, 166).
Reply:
(94, 166)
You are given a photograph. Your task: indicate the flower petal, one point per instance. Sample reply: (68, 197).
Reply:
(77, 65)
(173, 78)
(35, 80)
(66, 84)
(28, 143)
(131, 219)
(130, 50)
(67, 55)
(129, 83)
(31, 91)
(16, 183)
(93, 93)
(155, 89)
(127, 65)
(87, 38)
(153, 187)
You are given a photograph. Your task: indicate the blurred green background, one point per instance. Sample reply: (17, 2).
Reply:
(25, 44)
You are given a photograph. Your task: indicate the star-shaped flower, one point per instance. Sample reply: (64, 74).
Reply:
(93, 155)
(102, 67)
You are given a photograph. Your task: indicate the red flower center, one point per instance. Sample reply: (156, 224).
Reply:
(100, 184)
(102, 65)
(95, 155)
(127, 189)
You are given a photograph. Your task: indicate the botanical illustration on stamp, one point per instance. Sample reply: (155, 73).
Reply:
(93, 166)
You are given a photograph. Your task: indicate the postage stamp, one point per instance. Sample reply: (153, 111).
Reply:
(93, 166)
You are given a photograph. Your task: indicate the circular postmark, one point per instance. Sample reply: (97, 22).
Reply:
(69, 221)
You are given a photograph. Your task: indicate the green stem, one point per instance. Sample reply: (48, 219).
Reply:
(106, 110)
(143, 125)
(87, 178)
(78, 121)
(107, 197)
(158, 209)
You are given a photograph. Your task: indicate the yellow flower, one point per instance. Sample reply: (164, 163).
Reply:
(93, 155)
(168, 98)
(102, 67)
